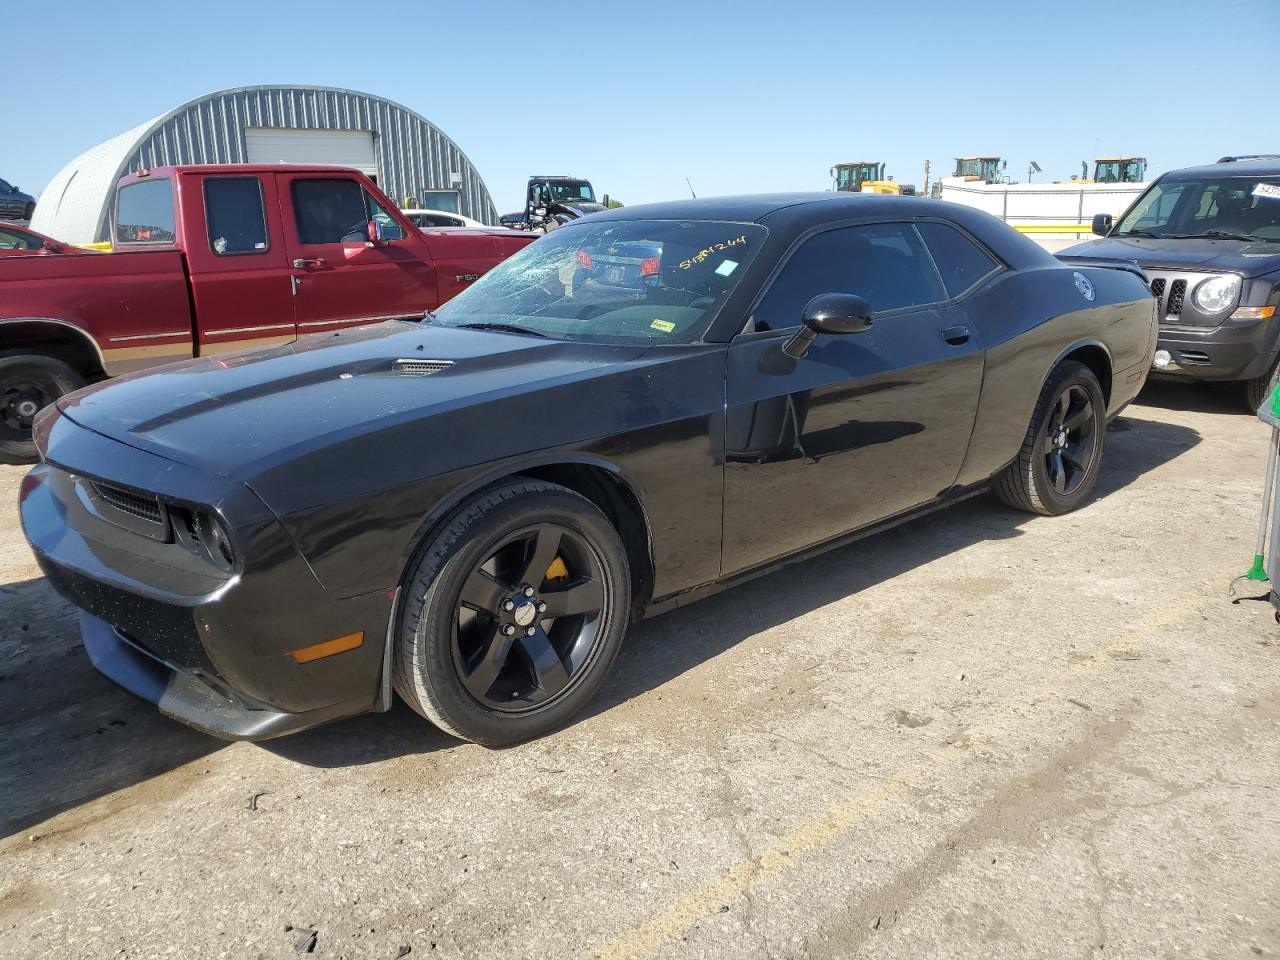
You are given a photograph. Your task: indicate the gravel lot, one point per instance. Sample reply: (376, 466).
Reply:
(979, 735)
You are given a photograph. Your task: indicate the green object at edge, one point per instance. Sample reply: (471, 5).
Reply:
(1275, 401)
(1257, 572)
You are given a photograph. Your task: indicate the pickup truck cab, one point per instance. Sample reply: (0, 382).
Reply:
(214, 259)
(1209, 240)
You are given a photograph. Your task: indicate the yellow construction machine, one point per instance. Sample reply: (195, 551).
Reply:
(868, 177)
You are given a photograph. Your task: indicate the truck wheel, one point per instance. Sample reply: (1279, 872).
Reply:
(1258, 389)
(1062, 451)
(513, 614)
(29, 382)
(29, 212)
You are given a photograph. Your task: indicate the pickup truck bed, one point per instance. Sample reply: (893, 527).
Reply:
(210, 259)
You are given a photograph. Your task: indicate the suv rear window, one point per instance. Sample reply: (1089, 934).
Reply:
(234, 215)
(144, 212)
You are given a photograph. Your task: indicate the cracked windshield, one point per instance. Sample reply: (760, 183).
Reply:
(634, 281)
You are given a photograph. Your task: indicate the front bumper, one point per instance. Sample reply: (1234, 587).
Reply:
(191, 696)
(1235, 350)
(211, 649)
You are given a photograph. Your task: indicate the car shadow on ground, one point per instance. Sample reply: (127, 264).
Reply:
(659, 650)
(69, 735)
(1195, 396)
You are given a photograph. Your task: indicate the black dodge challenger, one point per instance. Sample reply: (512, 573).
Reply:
(638, 409)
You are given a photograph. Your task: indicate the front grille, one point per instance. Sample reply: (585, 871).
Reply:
(421, 368)
(1170, 288)
(135, 505)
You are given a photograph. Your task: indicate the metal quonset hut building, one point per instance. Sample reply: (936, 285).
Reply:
(406, 154)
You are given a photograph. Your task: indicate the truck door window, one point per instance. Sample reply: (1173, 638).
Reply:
(388, 228)
(144, 212)
(330, 211)
(234, 214)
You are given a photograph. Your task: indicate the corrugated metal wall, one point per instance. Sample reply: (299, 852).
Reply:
(413, 155)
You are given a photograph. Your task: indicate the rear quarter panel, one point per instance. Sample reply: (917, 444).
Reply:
(133, 304)
(1029, 320)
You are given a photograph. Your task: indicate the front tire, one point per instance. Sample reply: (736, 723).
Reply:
(1062, 451)
(1258, 389)
(514, 613)
(29, 382)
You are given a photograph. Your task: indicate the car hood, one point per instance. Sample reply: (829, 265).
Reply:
(1238, 256)
(580, 208)
(234, 414)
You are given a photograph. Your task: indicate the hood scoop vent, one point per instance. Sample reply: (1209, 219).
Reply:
(421, 368)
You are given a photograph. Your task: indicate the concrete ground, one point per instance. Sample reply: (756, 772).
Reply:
(980, 735)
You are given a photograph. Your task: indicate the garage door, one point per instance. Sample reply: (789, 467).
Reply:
(347, 148)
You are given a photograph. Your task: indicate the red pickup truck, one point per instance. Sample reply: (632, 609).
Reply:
(208, 259)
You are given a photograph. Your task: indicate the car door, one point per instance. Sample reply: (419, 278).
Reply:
(340, 276)
(240, 275)
(864, 426)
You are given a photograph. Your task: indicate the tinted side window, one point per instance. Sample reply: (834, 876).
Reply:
(234, 215)
(885, 263)
(144, 212)
(330, 211)
(961, 262)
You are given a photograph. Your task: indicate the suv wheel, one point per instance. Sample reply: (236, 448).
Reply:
(1258, 389)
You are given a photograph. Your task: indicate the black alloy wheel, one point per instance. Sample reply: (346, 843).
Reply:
(513, 613)
(528, 618)
(1062, 450)
(1069, 440)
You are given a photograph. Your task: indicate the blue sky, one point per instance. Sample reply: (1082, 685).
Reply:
(739, 96)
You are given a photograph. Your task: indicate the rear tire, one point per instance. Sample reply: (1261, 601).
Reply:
(1062, 451)
(29, 382)
(1258, 389)
(480, 649)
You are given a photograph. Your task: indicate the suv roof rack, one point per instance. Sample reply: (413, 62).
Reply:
(1250, 156)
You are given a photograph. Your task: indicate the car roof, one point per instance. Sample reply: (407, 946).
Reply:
(755, 208)
(1232, 168)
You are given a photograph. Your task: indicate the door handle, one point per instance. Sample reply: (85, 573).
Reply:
(301, 262)
(956, 335)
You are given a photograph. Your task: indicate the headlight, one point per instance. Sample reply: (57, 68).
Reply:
(1217, 293)
(203, 534)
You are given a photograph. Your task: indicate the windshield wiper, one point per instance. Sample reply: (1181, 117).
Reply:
(1215, 235)
(1142, 233)
(505, 328)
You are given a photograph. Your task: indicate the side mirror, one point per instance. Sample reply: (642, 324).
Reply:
(53, 246)
(832, 313)
(373, 231)
(1102, 224)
